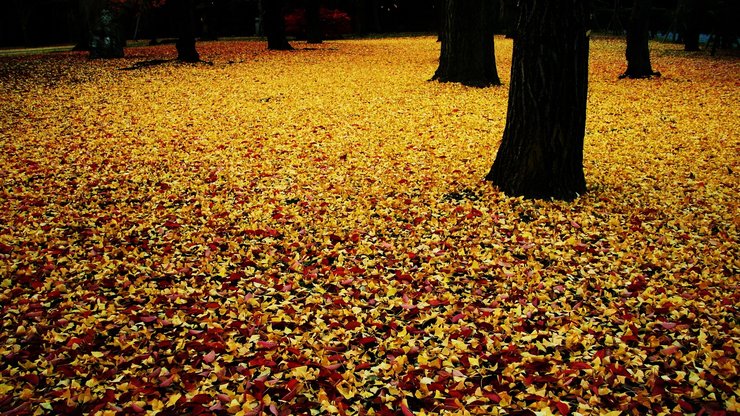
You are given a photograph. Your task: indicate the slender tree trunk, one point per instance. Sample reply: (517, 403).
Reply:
(375, 24)
(541, 154)
(275, 25)
(359, 16)
(313, 22)
(467, 52)
(638, 50)
(185, 19)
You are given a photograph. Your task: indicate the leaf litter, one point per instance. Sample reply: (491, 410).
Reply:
(309, 233)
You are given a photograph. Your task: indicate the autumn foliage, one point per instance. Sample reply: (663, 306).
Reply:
(310, 233)
(333, 23)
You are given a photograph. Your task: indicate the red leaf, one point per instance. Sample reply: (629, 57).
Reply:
(200, 398)
(5, 249)
(405, 409)
(266, 345)
(293, 386)
(212, 177)
(171, 224)
(686, 406)
(457, 317)
(492, 397)
(563, 408)
(166, 382)
(367, 340)
(670, 350)
(210, 357)
(33, 379)
(580, 365)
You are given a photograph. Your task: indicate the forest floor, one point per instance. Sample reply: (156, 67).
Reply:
(308, 232)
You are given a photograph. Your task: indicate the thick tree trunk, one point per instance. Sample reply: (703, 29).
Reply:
(440, 7)
(467, 52)
(275, 25)
(541, 154)
(106, 39)
(313, 22)
(185, 17)
(507, 17)
(638, 50)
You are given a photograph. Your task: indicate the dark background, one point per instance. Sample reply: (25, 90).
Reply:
(50, 22)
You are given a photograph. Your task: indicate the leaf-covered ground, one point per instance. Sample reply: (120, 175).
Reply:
(309, 233)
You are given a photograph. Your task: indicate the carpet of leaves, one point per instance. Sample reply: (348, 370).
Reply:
(308, 232)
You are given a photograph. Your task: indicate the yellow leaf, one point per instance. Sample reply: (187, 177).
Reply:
(172, 399)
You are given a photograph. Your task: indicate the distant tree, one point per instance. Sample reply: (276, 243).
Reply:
(467, 50)
(183, 11)
(313, 21)
(365, 16)
(106, 37)
(638, 36)
(690, 19)
(723, 15)
(24, 9)
(541, 154)
(275, 25)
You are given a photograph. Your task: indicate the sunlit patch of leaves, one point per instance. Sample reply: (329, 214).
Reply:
(308, 233)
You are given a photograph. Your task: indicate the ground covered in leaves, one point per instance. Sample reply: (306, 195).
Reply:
(308, 232)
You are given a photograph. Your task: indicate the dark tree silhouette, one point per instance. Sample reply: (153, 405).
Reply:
(83, 18)
(467, 51)
(541, 154)
(183, 11)
(313, 21)
(638, 50)
(275, 25)
(690, 15)
(106, 37)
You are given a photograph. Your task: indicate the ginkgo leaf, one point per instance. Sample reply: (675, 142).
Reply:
(292, 233)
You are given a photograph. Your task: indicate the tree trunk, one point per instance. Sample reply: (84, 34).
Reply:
(275, 25)
(185, 20)
(106, 40)
(83, 17)
(313, 22)
(638, 50)
(440, 6)
(507, 17)
(541, 154)
(467, 52)
(690, 17)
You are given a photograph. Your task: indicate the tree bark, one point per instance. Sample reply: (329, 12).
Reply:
(638, 50)
(541, 154)
(185, 17)
(467, 51)
(275, 25)
(313, 22)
